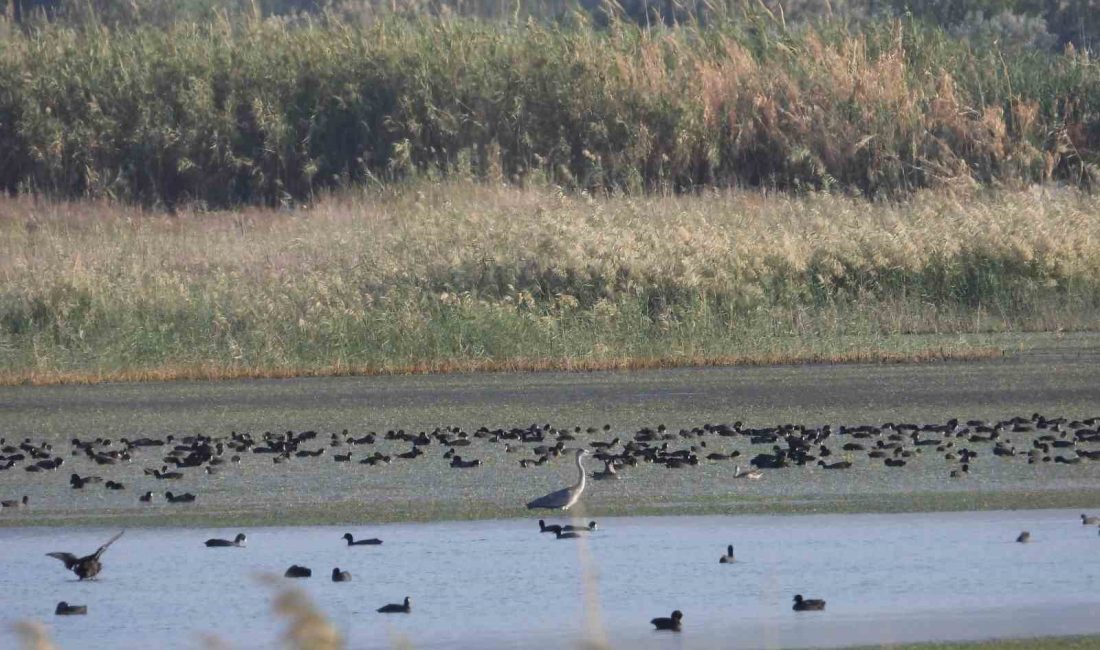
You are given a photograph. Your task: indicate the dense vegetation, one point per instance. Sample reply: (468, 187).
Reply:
(271, 111)
(489, 185)
(1034, 23)
(460, 275)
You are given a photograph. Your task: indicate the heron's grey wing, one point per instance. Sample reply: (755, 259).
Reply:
(69, 559)
(104, 547)
(553, 500)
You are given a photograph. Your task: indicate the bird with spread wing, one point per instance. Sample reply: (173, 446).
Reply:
(88, 566)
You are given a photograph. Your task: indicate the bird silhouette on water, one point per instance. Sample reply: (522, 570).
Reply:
(552, 528)
(374, 541)
(591, 527)
(15, 503)
(393, 608)
(340, 576)
(807, 604)
(65, 609)
(296, 571)
(671, 623)
(728, 557)
(239, 540)
(86, 567)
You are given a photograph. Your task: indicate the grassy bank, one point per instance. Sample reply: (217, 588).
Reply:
(333, 511)
(460, 276)
(1051, 643)
(271, 112)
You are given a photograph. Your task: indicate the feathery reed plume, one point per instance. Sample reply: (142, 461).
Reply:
(308, 629)
(33, 636)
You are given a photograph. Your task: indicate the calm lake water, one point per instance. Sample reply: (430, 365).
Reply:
(499, 583)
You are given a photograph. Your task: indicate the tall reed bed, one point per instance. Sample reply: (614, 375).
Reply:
(462, 276)
(270, 112)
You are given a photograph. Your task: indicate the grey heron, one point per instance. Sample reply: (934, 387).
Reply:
(564, 498)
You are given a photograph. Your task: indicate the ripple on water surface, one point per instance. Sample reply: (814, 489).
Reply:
(499, 583)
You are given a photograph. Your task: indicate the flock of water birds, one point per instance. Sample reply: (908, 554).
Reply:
(89, 566)
(1038, 439)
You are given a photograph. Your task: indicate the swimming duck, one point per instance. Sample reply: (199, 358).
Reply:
(112, 485)
(296, 571)
(583, 529)
(807, 605)
(65, 609)
(1089, 521)
(392, 608)
(751, 474)
(164, 474)
(15, 503)
(361, 542)
(77, 482)
(340, 576)
(181, 498)
(553, 528)
(1024, 537)
(728, 557)
(963, 470)
(147, 497)
(669, 623)
(87, 566)
(239, 540)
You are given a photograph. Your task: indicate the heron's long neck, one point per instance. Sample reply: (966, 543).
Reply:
(580, 470)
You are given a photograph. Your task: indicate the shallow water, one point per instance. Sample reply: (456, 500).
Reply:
(499, 583)
(318, 490)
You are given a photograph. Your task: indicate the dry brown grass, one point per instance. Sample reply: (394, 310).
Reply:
(460, 277)
(214, 372)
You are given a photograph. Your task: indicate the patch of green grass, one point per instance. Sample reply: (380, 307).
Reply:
(332, 511)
